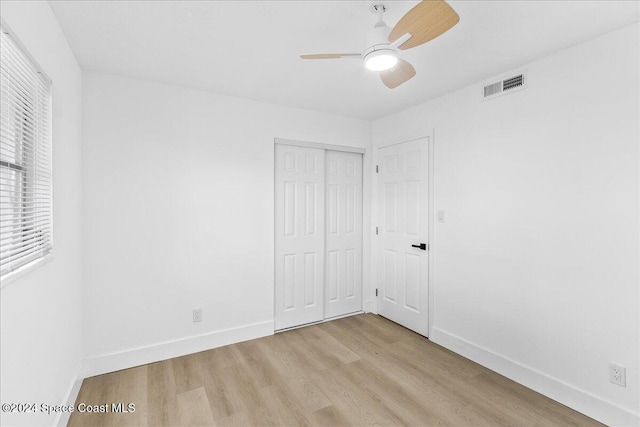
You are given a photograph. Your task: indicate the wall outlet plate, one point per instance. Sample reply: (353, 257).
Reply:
(197, 315)
(617, 374)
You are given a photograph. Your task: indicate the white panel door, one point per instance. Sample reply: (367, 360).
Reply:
(299, 260)
(343, 222)
(403, 224)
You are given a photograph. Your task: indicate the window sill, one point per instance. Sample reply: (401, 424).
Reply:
(15, 275)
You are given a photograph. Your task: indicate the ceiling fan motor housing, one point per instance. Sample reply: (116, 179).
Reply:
(378, 39)
(379, 46)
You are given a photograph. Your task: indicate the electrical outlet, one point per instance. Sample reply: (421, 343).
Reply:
(197, 315)
(617, 374)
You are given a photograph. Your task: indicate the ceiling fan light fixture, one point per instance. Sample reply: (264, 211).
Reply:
(380, 60)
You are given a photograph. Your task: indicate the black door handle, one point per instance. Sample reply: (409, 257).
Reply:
(422, 246)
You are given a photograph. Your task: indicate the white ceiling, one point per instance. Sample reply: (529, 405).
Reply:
(251, 48)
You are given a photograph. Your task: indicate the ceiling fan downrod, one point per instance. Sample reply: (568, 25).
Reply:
(379, 9)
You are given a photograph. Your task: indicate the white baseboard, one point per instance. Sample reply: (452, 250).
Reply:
(142, 355)
(571, 396)
(62, 419)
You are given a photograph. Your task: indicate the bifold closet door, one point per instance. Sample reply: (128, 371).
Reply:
(343, 219)
(300, 234)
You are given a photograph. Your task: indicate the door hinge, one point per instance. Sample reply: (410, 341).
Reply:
(376, 168)
(376, 292)
(376, 230)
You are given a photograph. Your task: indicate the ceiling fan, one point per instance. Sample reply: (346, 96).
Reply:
(426, 21)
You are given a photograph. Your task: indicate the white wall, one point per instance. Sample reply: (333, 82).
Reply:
(537, 264)
(179, 213)
(41, 325)
(541, 192)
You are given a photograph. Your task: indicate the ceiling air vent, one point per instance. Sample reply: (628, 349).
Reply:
(492, 89)
(511, 84)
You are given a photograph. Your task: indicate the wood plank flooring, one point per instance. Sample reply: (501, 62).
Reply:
(361, 370)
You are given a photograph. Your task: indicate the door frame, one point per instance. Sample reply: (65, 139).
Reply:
(365, 249)
(430, 221)
(320, 145)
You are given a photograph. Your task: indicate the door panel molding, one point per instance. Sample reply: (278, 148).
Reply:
(299, 235)
(344, 233)
(318, 232)
(403, 193)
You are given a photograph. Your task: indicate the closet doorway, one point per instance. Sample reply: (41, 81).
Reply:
(318, 233)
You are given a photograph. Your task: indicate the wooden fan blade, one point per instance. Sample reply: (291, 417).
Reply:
(426, 21)
(397, 75)
(330, 55)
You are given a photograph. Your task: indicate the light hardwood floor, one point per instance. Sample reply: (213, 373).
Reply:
(361, 370)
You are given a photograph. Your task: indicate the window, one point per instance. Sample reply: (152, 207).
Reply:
(25, 158)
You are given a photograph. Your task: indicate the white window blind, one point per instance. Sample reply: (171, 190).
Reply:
(25, 158)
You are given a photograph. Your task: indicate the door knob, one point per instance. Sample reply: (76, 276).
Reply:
(422, 246)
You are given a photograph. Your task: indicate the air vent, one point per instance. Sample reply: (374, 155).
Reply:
(511, 84)
(492, 89)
